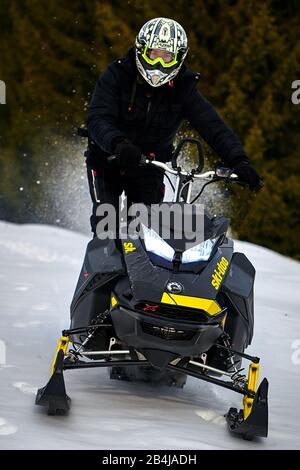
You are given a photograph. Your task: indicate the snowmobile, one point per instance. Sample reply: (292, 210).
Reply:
(156, 310)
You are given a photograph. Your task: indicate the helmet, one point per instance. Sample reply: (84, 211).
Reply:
(160, 48)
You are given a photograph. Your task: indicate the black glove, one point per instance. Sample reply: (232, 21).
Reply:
(129, 155)
(247, 173)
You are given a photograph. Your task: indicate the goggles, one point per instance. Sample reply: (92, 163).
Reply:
(160, 56)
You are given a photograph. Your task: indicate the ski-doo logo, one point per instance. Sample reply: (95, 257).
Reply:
(174, 287)
(129, 247)
(218, 273)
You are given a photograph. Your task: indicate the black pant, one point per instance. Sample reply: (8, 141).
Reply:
(143, 185)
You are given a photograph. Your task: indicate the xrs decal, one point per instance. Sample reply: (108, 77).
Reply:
(219, 272)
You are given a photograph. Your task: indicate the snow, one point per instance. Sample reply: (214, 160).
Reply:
(38, 273)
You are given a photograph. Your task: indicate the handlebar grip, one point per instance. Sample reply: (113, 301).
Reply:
(112, 158)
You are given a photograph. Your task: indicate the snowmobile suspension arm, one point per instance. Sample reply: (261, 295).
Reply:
(89, 365)
(142, 363)
(245, 356)
(84, 329)
(213, 380)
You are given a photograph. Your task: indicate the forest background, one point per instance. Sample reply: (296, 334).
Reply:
(52, 52)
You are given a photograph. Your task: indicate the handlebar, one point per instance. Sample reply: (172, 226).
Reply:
(207, 176)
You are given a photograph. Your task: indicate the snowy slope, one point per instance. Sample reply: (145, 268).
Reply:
(38, 272)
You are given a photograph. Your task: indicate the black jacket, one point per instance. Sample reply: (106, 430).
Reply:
(124, 105)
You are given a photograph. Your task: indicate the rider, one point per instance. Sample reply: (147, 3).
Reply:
(137, 107)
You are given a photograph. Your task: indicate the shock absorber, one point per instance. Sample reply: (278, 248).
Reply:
(98, 320)
(229, 360)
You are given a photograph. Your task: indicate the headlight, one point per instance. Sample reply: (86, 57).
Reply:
(155, 244)
(199, 252)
